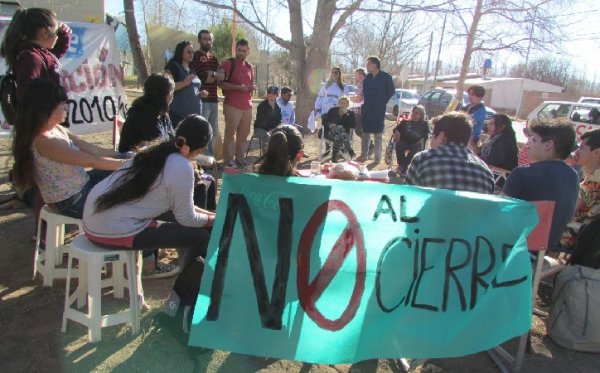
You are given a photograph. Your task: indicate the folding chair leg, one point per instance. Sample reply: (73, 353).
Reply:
(260, 144)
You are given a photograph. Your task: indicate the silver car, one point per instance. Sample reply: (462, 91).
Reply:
(402, 101)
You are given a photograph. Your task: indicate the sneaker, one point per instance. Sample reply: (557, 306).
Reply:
(161, 271)
(362, 158)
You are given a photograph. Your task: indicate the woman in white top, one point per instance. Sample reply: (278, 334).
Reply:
(330, 93)
(149, 202)
(50, 156)
(329, 96)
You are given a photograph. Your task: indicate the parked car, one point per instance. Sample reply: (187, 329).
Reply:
(589, 100)
(402, 101)
(437, 100)
(583, 116)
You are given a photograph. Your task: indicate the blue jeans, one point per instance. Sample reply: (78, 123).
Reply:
(210, 112)
(73, 206)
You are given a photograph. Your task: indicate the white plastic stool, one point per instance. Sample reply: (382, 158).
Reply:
(45, 261)
(91, 260)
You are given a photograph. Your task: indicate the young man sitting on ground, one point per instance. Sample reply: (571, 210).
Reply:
(548, 178)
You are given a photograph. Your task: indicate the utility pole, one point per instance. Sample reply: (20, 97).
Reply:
(525, 68)
(439, 51)
(428, 60)
(233, 28)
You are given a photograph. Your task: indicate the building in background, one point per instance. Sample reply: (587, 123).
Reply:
(75, 10)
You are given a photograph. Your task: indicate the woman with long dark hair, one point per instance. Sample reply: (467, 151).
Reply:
(331, 92)
(124, 209)
(500, 150)
(148, 117)
(50, 155)
(284, 151)
(187, 98)
(32, 45)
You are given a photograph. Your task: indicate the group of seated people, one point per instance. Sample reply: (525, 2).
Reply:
(151, 195)
(450, 164)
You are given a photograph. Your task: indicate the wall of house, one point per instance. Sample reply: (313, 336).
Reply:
(75, 10)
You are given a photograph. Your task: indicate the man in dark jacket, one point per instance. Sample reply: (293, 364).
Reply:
(268, 116)
(378, 88)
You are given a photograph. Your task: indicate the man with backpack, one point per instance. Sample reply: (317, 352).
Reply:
(237, 106)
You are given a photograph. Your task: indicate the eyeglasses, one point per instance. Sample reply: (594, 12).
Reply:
(335, 72)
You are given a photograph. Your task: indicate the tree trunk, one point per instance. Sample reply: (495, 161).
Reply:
(310, 63)
(468, 51)
(134, 41)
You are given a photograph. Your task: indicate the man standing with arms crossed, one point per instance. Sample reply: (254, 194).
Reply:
(205, 65)
(378, 88)
(237, 86)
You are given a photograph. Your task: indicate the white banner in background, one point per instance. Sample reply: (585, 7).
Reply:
(91, 73)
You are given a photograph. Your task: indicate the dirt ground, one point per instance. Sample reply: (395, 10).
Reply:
(31, 316)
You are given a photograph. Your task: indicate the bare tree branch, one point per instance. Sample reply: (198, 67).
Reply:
(280, 41)
(342, 20)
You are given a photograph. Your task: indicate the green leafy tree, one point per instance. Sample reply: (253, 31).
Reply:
(222, 38)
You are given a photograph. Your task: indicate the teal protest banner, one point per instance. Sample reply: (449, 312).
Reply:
(329, 271)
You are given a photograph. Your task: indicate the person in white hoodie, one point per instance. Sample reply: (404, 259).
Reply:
(330, 93)
(288, 112)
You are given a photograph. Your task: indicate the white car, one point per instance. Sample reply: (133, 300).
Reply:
(589, 100)
(583, 116)
(402, 101)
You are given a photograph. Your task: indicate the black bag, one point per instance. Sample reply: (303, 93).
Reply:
(8, 97)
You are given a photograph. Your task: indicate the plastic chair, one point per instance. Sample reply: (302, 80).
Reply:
(537, 241)
(45, 261)
(92, 259)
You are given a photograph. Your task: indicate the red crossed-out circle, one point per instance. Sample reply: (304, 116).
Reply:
(309, 293)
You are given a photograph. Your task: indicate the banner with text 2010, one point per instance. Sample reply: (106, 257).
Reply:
(329, 271)
(91, 73)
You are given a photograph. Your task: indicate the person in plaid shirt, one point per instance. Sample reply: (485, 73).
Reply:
(449, 164)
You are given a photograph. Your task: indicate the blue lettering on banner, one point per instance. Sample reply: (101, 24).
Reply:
(76, 45)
